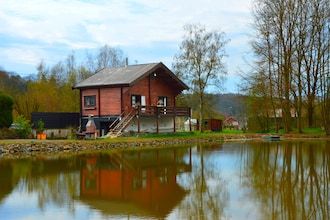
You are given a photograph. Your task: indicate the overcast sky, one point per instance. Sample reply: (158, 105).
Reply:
(146, 30)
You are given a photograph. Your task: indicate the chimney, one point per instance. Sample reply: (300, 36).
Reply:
(90, 126)
(126, 62)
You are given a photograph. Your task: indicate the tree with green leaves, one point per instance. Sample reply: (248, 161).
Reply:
(200, 61)
(23, 127)
(6, 110)
(51, 90)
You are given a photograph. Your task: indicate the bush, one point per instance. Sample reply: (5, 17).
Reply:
(40, 126)
(23, 127)
(6, 110)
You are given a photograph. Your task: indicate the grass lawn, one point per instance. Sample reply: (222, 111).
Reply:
(137, 138)
(143, 137)
(313, 131)
(191, 134)
(307, 131)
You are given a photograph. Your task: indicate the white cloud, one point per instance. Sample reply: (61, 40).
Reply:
(23, 55)
(78, 24)
(116, 22)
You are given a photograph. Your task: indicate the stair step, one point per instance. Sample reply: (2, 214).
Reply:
(122, 124)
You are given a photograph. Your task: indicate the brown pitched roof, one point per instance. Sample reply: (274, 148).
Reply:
(126, 76)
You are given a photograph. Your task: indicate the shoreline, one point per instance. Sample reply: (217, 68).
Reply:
(31, 147)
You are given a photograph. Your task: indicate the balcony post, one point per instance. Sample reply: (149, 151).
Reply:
(157, 119)
(174, 111)
(138, 119)
(190, 119)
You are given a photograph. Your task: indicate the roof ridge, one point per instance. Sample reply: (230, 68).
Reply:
(139, 64)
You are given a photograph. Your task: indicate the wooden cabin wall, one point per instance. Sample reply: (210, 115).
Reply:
(157, 88)
(108, 101)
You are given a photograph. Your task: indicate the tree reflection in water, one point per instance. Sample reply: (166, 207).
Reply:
(208, 194)
(290, 179)
(141, 183)
(52, 180)
(281, 180)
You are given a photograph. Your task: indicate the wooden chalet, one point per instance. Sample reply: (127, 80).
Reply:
(138, 98)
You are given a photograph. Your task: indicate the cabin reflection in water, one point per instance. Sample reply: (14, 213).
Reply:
(131, 183)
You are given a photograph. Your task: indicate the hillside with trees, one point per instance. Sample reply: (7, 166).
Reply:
(51, 89)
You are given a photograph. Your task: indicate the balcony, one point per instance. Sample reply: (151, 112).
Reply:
(162, 111)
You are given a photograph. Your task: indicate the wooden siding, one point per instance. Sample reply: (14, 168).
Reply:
(158, 87)
(89, 111)
(110, 101)
(107, 102)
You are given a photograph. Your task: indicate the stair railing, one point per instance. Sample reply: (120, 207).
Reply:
(117, 119)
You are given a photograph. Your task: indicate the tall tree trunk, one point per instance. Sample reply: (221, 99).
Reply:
(287, 104)
(201, 111)
(310, 113)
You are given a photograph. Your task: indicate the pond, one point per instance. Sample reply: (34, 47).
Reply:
(251, 180)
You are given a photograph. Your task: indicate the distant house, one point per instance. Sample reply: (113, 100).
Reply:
(231, 123)
(138, 98)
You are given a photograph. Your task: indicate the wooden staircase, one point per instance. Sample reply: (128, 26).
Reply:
(121, 161)
(122, 122)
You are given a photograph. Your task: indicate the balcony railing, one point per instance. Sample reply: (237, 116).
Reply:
(163, 111)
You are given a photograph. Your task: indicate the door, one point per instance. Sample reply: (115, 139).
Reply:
(135, 100)
(162, 103)
(143, 103)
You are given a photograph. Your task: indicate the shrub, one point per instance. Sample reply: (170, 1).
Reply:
(6, 110)
(23, 127)
(40, 126)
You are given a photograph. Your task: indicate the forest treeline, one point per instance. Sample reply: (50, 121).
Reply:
(51, 89)
(290, 81)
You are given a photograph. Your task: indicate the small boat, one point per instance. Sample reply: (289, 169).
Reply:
(271, 137)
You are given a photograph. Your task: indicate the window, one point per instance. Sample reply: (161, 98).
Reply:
(164, 176)
(138, 100)
(140, 180)
(90, 101)
(162, 101)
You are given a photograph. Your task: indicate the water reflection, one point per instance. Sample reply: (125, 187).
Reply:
(208, 190)
(52, 180)
(291, 180)
(136, 183)
(131, 183)
(266, 180)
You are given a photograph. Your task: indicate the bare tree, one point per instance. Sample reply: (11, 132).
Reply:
(325, 75)
(291, 46)
(42, 70)
(110, 57)
(200, 61)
